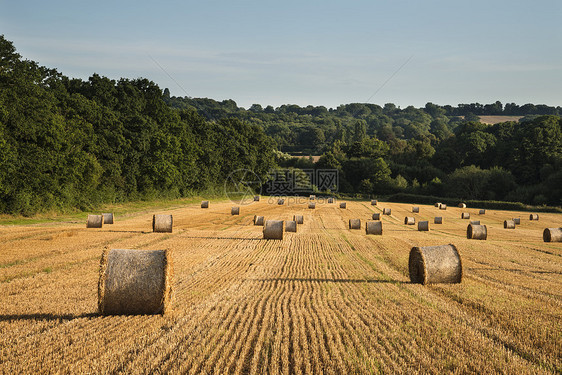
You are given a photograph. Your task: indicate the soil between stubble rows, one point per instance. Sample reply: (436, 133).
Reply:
(323, 300)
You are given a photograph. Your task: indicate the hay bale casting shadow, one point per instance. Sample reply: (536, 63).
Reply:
(423, 226)
(552, 235)
(205, 204)
(465, 215)
(373, 227)
(135, 282)
(256, 198)
(509, 224)
(299, 219)
(482, 212)
(534, 217)
(273, 230)
(476, 232)
(235, 211)
(291, 226)
(435, 264)
(354, 223)
(386, 211)
(108, 218)
(312, 205)
(438, 220)
(162, 223)
(258, 220)
(377, 216)
(343, 205)
(374, 202)
(408, 220)
(415, 209)
(94, 221)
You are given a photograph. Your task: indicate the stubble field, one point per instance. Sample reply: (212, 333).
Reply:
(324, 300)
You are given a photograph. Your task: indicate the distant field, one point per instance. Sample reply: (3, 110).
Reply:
(497, 119)
(323, 300)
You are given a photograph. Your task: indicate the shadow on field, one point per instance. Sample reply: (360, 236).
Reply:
(359, 281)
(129, 231)
(223, 238)
(48, 317)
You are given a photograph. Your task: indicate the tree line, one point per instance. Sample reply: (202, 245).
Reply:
(68, 143)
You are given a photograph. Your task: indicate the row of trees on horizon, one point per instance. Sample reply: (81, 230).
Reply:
(72, 144)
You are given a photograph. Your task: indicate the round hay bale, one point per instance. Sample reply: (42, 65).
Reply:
(376, 216)
(343, 205)
(354, 223)
(415, 209)
(423, 226)
(299, 219)
(435, 264)
(509, 224)
(462, 205)
(465, 215)
(517, 220)
(205, 204)
(108, 218)
(273, 230)
(312, 205)
(438, 220)
(135, 282)
(408, 220)
(256, 198)
(330, 200)
(374, 202)
(552, 235)
(94, 221)
(482, 212)
(374, 227)
(291, 226)
(235, 210)
(438, 204)
(386, 211)
(312, 197)
(442, 206)
(162, 223)
(281, 202)
(534, 217)
(476, 232)
(258, 220)
(475, 222)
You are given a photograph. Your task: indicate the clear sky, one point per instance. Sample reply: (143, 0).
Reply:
(304, 52)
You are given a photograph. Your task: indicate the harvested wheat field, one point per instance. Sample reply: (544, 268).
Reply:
(325, 299)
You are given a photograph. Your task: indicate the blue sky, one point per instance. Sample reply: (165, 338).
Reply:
(305, 52)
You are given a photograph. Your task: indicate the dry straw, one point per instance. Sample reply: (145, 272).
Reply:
(162, 223)
(291, 226)
(482, 212)
(408, 220)
(354, 223)
(374, 202)
(552, 235)
(517, 220)
(235, 210)
(534, 217)
(343, 205)
(386, 211)
(273, 230)
(475, 222)
(258, 220)
(465, 215)
(509, 224)
(462, 205)
(299, 219)
(476, 232)
(435, 264)
(94, 221)
(135, 282)
(312, 205)
(374, 227)
(415, 209)
(376, 216)
(205, 204)
(438, 220)
(108, 218)
(423, 226)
